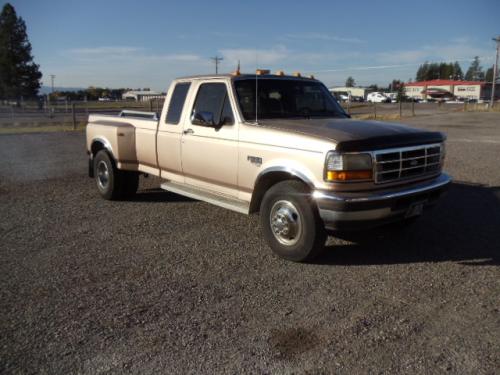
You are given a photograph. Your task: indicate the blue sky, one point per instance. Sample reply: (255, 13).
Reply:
(148, 43)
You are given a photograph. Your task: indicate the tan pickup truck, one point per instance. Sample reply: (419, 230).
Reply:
(293, 155)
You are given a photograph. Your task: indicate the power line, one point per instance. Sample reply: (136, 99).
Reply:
(216, 60)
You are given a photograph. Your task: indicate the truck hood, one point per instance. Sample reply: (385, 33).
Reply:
(354, 135)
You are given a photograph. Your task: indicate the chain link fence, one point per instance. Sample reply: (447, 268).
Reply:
(392, 111)
(66, 115)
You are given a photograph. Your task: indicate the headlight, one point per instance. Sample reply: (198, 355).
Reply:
(347, 167)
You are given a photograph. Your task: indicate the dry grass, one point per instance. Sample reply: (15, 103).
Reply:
(41, 129)
(381, 117)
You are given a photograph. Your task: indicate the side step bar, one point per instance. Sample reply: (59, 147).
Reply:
(202, 195)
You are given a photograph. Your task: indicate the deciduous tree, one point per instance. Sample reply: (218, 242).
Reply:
(349, 82)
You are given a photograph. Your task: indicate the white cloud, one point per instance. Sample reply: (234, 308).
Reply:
(124, 66)
(460, 50)
(139, 67)
(323, 36)
(104, 50)
(130, 53)
(251, 56)
(181, 57)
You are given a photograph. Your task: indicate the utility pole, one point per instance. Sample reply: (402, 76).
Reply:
(495, 69)
(216, 60)
(52, 78)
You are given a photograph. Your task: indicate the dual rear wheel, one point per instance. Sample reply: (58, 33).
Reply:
(112, 183)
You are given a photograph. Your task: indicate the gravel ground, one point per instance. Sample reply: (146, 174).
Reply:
(164, 284)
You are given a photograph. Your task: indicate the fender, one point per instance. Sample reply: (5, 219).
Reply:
(262, 183)
(289, 170)
(104, 142)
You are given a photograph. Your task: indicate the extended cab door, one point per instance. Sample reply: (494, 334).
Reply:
(210, 152)
(170, 132)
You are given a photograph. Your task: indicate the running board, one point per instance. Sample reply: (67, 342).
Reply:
(202, 195)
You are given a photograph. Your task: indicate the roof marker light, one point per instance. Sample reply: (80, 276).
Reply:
(261, 72)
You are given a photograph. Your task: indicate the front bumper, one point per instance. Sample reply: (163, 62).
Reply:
(349, 210)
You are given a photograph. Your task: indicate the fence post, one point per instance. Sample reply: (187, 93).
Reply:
(400, 108)
(73, 115)
(150, 105)
(375, 110)
(85, 105)
(413, 108)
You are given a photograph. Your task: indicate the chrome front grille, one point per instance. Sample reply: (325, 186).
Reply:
(408, 162)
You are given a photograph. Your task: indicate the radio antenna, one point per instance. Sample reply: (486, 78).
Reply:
(256, 89)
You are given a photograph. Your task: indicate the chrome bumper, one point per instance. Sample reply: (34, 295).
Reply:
(339, 209)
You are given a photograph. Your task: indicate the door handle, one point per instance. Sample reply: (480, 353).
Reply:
(188, 131)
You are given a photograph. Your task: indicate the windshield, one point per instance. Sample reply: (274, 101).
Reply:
(286, 98)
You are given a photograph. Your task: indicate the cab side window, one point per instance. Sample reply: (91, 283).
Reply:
(177, 103)
(213, 97)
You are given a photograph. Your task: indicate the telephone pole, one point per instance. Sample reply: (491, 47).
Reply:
(52, 78)
(495, 69)
(216, 60)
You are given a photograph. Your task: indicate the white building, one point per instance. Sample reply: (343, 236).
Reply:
(142, 95)
(353, 91)
(441, 88)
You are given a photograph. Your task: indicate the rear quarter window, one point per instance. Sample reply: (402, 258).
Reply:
(177, 103)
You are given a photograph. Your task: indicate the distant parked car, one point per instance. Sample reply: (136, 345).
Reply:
(358, 99)
(393, 96)
(377, 97)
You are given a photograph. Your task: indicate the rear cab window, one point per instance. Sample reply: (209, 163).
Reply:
(177, 103)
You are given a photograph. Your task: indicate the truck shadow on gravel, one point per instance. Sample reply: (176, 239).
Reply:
(464, 227)
(158, 195)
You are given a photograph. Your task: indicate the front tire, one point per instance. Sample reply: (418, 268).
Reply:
(290, 222)
(112, 183)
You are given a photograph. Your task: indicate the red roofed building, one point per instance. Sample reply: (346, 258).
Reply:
(446, 88)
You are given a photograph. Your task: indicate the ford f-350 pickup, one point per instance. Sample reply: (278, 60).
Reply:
(276, 145)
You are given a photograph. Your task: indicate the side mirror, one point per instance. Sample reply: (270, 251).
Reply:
(203, 118)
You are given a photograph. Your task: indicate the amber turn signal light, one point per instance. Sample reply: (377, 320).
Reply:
(348, 175)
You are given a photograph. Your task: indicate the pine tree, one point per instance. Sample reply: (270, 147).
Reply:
(475, 71)
(422, 72)
(489, 75)
(19, 75)
(446, 71)
(458, 74)
(433, 72)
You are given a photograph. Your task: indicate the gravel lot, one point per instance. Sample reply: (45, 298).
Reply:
(164, 284)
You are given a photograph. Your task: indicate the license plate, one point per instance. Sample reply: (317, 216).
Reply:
(415, 209)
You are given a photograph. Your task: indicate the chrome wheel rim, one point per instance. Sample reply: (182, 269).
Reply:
(102, 175)
(286, 224)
